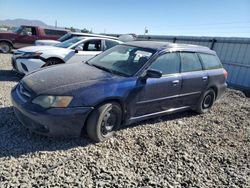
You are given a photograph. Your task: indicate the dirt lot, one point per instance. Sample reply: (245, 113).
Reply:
(181, 150)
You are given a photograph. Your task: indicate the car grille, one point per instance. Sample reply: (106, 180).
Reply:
(23, 92)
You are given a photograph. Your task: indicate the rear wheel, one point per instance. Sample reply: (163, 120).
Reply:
(104, 121)
(206, 101)
(5, 47)
(52, 61)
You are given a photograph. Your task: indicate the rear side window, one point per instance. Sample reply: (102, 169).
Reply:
(54, 32)
(190, 62)
(210, 61)
(168, 63)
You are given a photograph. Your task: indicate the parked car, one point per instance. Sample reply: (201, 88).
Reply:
(67, 37)
(26, 36)
(128, 83)
(77, 49)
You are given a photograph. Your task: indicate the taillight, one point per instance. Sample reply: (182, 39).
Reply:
(225, 73)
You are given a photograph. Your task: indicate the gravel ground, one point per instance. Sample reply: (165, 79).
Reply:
(181, 150)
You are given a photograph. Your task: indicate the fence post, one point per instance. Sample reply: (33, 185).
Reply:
(212, 44)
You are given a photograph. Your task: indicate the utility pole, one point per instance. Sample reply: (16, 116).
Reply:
(145, 31)
(56, 24)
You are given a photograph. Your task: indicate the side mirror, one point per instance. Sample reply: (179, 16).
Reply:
(152, 73)
(78, 47)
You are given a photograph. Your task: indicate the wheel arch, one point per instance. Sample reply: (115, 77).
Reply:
(8, 41)
(215, 90)
(58, 58)
(117, 100)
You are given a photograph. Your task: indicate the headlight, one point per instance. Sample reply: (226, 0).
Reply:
(32, 54)
(47, 101)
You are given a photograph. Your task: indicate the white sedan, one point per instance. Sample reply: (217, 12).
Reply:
(77, 49)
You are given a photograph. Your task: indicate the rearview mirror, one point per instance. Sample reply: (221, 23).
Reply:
(152, 73)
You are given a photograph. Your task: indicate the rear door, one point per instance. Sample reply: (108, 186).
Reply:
(161, 94)
(194, 78)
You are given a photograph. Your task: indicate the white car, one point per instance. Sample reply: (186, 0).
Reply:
(76, 49)
(67, 37)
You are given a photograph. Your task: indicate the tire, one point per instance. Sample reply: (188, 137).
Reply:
(206, 101)
(52, 61)
(5, 47)
(104, 121)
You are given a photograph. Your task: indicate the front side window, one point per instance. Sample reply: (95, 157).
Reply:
(168, 63)
(122, 59)
(210, 61)
(28, 31)
(190, 62)
(92, 45)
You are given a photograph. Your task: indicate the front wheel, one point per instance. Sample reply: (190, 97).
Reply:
(5, 47)
(206, 101)
(104, 121)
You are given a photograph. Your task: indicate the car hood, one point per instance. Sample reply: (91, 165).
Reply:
(38, 48)
(56, 78)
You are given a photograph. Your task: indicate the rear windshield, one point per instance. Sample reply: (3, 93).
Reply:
(210, 61)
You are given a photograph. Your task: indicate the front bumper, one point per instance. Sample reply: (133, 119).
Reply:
(26, 65)
(50, 122)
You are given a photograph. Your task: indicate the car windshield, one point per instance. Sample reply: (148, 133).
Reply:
(122, 60)
(69, 42)
(65, 37)
(18, 30)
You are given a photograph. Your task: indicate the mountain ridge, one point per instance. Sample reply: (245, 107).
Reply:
(19, 21)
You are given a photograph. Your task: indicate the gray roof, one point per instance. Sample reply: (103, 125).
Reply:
(159, 46)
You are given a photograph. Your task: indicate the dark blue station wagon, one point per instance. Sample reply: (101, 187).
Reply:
(128, 83)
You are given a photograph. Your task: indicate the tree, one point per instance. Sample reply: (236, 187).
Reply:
(85, 31)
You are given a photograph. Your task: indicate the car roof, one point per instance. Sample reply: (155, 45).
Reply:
(161, 46)
(93, 35)
(82, 39)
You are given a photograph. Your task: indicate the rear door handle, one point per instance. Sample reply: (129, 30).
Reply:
(204, 78)
(175, 82)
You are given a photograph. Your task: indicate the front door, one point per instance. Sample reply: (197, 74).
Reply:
(161, 94)
(26, 37)
(85, 51)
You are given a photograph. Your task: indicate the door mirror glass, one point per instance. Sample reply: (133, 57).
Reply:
(152, 73)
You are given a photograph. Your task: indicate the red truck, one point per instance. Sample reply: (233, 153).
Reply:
(26, 36)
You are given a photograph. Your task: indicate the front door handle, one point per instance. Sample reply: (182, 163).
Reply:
(175, 82)
(204, 78)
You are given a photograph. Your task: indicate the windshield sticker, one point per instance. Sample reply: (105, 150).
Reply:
(143, 53)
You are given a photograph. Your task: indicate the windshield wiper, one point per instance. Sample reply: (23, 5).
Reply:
(102, 68)
(109, 70)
